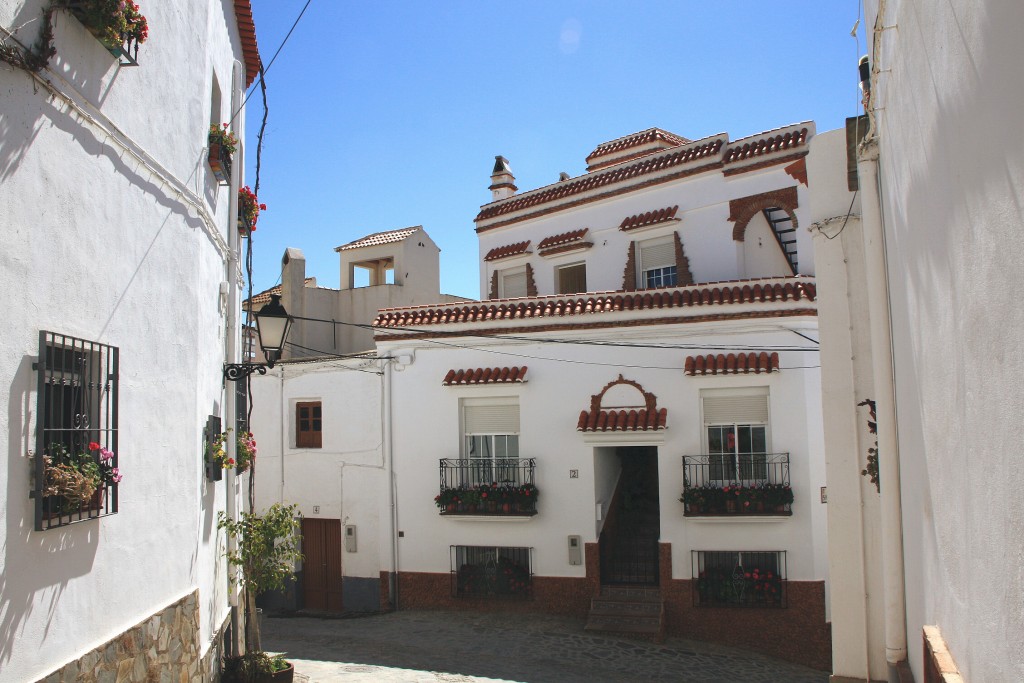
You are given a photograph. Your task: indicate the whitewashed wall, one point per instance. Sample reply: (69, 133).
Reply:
(951, 168)
(427, 429)
(97, 246)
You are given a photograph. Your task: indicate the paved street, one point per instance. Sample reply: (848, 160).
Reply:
(466, 647)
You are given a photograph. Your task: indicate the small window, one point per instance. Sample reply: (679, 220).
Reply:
(491, 444)
(308, 425)
(513, 283)
(571, 279)
(739, 579)
(76, 459)
(491, 572)
(657, 263)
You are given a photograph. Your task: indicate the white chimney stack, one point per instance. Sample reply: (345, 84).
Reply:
(503, 183)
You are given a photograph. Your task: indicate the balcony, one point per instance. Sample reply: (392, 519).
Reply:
(501, 487)
(736, 485)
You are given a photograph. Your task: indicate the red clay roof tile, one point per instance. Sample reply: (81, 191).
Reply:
(485, 376)
(768, 290)
(732, 363)
(622, 420)
(648, 218)
(564, 238)
(507, 250)
(376, 238)
(644, 137)
(247, 35)
(766, 145)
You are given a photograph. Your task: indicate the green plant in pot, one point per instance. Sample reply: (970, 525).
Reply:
(266, 552)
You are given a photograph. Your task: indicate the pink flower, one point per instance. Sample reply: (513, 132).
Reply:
(115, 475)
(106, 454)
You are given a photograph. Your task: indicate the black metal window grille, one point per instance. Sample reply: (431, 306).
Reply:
(76, 413)
(491, 572)
(499, 471)
(739, 579)
(502, 486)
(761, 484)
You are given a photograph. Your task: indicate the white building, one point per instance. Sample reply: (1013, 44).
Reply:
(119, 257)
(920, 315)
(649, 328)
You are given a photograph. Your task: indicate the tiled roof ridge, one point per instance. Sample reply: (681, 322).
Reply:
(383, 237)
(632, 420)
(732, 363)
(776, 289)
(657, 161)
(634, 139)
(765, 142)
(507, 250)
(504, 375)
(563, 238)
(247, 36)
(649, 218)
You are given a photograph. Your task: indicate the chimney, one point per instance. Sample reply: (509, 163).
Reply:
(502, 180)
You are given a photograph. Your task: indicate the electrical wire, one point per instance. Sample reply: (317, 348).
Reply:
(279, 48)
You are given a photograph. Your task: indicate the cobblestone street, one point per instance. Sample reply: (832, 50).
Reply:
(429, 647)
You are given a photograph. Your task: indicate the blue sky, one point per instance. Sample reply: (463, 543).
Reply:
(388, 114)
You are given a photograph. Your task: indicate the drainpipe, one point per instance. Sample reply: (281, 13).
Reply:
(389, 472)
(885, 408)
(284, 426)
(233, 331)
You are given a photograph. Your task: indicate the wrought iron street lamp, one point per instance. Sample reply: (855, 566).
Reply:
(272, 325)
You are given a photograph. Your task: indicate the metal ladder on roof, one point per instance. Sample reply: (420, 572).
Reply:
(785, 233)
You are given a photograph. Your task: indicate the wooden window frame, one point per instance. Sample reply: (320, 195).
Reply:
(311, 437)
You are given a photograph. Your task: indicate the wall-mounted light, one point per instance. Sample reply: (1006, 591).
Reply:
(272, 325)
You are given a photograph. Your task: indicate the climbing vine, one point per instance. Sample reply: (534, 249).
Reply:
(35, 58)
(871, 470)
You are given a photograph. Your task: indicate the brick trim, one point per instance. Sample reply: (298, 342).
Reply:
(683, 275)
(494, 286)
(531, 284)
(939, 666)
(743, 209)
(597, 419)
(763, 164)
(629, 275)
(574, 246)
(798, 171)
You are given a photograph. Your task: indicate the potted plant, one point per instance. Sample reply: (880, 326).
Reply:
(694, 499)
(221, 144)
(249, 208)
(78, 479)
(470, 500)
(266, 551)
(446, 500)
(527, 498)
(117, 24)
(245, 451)
(778, 496)
(489, 497)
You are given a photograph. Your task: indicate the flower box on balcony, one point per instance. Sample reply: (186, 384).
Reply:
(507, 488)
(220, 163)
(117, 24)
(755, 484)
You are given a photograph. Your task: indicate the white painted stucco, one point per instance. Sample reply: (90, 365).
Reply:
(114, 231)
(946, 95)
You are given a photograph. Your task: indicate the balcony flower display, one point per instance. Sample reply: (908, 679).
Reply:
(245, 450)
(222, 143)
(249, 208)
(492, 498)
(736, 499)
(118, 24)
(79, 478)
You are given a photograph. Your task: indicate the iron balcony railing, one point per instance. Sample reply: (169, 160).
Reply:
(739, 579)
(493, 486)
(737, 484)
(491, 572)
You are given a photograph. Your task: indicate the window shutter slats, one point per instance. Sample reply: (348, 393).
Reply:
(515, 285)
(657, 256)
(501, 419)
(735, 409)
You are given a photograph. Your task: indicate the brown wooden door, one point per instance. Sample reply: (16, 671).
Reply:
(321, 569)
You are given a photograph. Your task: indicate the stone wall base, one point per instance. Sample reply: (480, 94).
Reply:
(163, 647)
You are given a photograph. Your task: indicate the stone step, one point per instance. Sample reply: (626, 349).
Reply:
(628, 610)
(614, 606)
(605, 624)
(631, 593)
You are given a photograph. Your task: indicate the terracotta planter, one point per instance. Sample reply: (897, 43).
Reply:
(694, 508)
(220, 163)
(730, 506)
(451, 507)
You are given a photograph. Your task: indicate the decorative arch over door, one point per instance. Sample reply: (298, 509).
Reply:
(743, 209)
(622, 406)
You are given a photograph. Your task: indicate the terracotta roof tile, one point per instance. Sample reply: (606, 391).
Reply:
(564, 238)
(644, 137)
(766, 145)
(247, 35)
(650, 164)
(376, 238)
(485, 376)
(732, 363)
(774, 289)
(622, 420)
(264, 296)
(507, 250)
(649, 218)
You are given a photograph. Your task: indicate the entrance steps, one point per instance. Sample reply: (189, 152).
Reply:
(638, 612)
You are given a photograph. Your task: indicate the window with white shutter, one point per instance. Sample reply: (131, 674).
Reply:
(736, 429)
(657, 263)
(491, 438)
(513, 283)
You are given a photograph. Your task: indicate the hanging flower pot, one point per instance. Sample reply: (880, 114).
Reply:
(222, 143)
(249, 208)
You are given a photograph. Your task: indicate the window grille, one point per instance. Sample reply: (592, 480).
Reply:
(76, 454)
(491, 572)
(739, 579)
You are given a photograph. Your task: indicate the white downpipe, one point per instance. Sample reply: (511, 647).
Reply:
(233, 332)
(885, 407)
(389, 472)
(284, 426)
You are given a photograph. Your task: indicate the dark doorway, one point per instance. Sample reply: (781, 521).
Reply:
(629, 540)
(321, 568)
